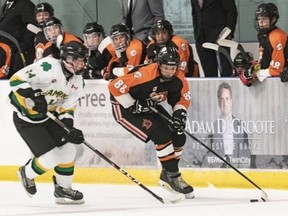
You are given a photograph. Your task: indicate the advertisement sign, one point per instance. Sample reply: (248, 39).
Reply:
(247, 127)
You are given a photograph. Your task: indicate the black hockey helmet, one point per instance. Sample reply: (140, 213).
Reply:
(269, 10)
(52, 21)
(93, 27)
(74, 56)
(241, 61)
(169, 56)
(118, 29)
(74, 49)
(41, 7)
(161, 25)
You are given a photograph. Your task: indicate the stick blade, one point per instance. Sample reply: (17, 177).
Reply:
(59, 41)
(176, 198)
(34, 29)
(212, 46)
(224, 33)
(264, 196)
(228, 43)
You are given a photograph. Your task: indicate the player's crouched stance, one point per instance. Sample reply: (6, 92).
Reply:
(50, 85)
(134, 94)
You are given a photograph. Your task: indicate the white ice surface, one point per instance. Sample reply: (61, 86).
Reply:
(126, 200)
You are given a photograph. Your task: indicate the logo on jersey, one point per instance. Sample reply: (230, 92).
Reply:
(159, 96)
(279, 46)
(137, 74)
(147, 123)
(183, 46)
(133, 53)
(46, 66)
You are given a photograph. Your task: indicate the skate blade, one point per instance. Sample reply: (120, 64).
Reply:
(168, 188)
(65, 201)
(21, 181)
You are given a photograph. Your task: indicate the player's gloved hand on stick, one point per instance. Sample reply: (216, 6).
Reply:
(179, 118)
(37, 96)
(142, 106)
(248, 76)
(108, 75)
(74, 136)
(284, 75)
(98, 61)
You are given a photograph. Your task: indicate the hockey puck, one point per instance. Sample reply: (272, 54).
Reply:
(254, 200)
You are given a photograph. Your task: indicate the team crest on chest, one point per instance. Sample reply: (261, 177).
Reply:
(147, 123)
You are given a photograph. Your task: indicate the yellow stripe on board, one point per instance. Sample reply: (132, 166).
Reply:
(197, 177)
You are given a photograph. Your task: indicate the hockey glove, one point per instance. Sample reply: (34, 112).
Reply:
(284, 75)
(74, 136)
(179, 121)
(108, 75)
(248, 76)
(142, 106)
(39, 102)
(98, 61)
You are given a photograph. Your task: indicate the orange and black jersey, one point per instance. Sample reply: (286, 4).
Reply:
(146, 83)
(184, 50)
(5, 63)
(50, 49)
(273, 51)
(133, 56)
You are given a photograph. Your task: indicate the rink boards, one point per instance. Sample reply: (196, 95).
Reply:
(263, 107)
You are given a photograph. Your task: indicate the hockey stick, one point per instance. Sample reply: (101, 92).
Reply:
(223, 51)
(223, 34)
(34, 29)
(13, 39)
(162, 200)
(234, 45)
(264, 196)
(59, 41)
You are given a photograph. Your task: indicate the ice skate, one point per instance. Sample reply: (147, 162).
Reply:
(176, 185)
(67, 195)
(28, 184)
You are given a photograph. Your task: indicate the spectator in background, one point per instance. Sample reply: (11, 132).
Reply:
(15, 16)
(139, 16)
(43, 12)
(93, 34)
(162, 35)
(273, 49)
(229, 139)
(241, 63)
(128, 52)
(210, 17)
(56, 37)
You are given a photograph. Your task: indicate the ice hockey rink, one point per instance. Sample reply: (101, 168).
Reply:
(126, 200)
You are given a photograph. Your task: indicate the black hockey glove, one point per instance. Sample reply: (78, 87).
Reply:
(74, 136)
(246, 77)
(108, 75)
(179, 121)
(142, 106)
(39, 102)
(284, 75)
(98, 61)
